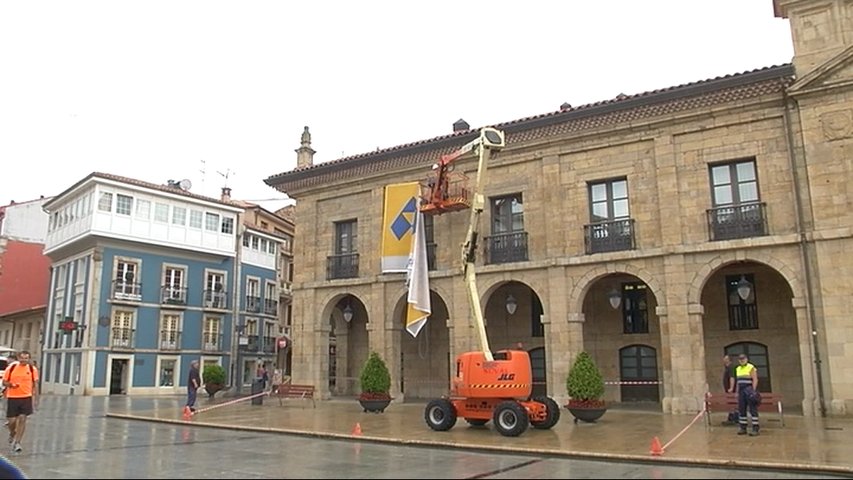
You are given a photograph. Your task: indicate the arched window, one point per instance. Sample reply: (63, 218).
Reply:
(758, 356)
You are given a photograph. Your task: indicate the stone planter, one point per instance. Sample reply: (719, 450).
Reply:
(587, 414)
(374, 405)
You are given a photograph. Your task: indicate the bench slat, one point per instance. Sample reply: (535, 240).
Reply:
(289, 390)
(770, 403)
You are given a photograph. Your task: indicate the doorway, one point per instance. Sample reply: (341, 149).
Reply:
(638, 367)
(540, 378)
(118, 376)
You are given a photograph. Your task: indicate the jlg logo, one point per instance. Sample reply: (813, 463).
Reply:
(506, 377)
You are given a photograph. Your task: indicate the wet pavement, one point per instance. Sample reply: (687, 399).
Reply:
(803, 444)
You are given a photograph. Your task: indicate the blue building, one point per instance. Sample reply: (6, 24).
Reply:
(143, 282)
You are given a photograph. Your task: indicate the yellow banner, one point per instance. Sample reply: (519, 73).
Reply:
(398, 220)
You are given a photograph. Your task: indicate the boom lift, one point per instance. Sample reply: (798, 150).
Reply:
(485, 387)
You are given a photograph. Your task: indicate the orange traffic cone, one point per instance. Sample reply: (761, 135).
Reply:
(657, 449)
(188, 414)
(356, 430)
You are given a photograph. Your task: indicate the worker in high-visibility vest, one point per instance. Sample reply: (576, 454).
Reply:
(746, 381)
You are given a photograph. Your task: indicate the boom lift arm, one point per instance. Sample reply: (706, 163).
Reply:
(489, 140)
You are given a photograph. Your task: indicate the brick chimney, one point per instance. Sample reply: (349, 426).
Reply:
(305, 154)
(226, 194)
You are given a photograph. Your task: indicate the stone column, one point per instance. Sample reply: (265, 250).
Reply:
(564, 342)
(687, 354)
(811, 403)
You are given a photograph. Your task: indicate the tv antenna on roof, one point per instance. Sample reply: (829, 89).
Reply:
(228, 173)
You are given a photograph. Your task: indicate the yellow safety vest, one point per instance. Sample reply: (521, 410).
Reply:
(744, 373)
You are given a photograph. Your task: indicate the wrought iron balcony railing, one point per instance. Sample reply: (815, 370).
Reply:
(211, 342)
(270, 307)
(215, 299)
(737, 221)
(121, 338)
(506, 248)
(342, 266)
(253, 304)
(610, 236)
(173, 295)
(269, 345)
(170, 340)
(128, 291)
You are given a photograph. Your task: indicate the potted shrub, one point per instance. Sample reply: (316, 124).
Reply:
(213, 378)
(375, 384)
(585, 387)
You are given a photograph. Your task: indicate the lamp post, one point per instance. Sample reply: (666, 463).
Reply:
(348, 313)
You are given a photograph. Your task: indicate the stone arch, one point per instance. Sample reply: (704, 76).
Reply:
(582, 286)
(494, 284)
(331, 299)
(700, 278)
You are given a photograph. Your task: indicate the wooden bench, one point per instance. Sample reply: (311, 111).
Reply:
(727, 402)
(290, 390)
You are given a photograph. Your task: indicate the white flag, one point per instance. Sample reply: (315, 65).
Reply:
(419, 308)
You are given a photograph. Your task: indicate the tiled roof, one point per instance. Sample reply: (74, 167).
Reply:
(623, 108)
(140, 183)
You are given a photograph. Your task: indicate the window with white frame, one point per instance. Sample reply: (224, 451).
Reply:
(121, 333)
(161, 212)
(227, 225)
(210, 334)
(124, 204)
(170, 331)
(179, 215)
(214, 290)
(195, 219)
(253, 295)
(143, 209)
(127, 284)
(105, 202)
(173, 284)
(251, 327)
(211, 222)
(167, 371)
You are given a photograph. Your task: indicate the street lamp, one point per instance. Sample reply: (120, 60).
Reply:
(347, 313)
(744, 288)
(615, 298)
(511, 304)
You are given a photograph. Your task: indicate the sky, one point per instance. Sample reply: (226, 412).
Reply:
(218, 92)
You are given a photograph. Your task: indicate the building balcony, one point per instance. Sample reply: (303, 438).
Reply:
(737, 221)
(270, 307)
(121, 338)
(253, 304)
(123, 291)
(342, 266)
(506, 248)
(250, 344)
(269, 344)
(176, 296)
(610, 236)
(285, 288)
(215, 300)
(170, 340)
(211, 342)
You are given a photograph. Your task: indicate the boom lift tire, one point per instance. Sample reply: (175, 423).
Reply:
(440, 415)
(510, 419)
(553, 415)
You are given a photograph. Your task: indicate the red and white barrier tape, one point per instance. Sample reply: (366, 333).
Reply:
(230, 402)
(633, 383)
(697, 417)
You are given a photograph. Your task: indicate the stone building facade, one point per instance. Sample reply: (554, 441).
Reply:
(656, 231)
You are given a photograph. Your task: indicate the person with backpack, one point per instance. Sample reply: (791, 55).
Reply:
(21, 382)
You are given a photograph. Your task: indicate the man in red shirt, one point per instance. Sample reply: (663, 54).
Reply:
(21, 382)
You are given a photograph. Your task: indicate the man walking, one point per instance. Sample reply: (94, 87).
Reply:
(21, 382)
(193, 383)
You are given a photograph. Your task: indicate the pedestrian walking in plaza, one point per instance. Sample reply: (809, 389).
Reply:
(193, 383)
(21, 382)
(746, 377)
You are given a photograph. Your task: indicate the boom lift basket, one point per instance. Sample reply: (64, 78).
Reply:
(452, 197)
